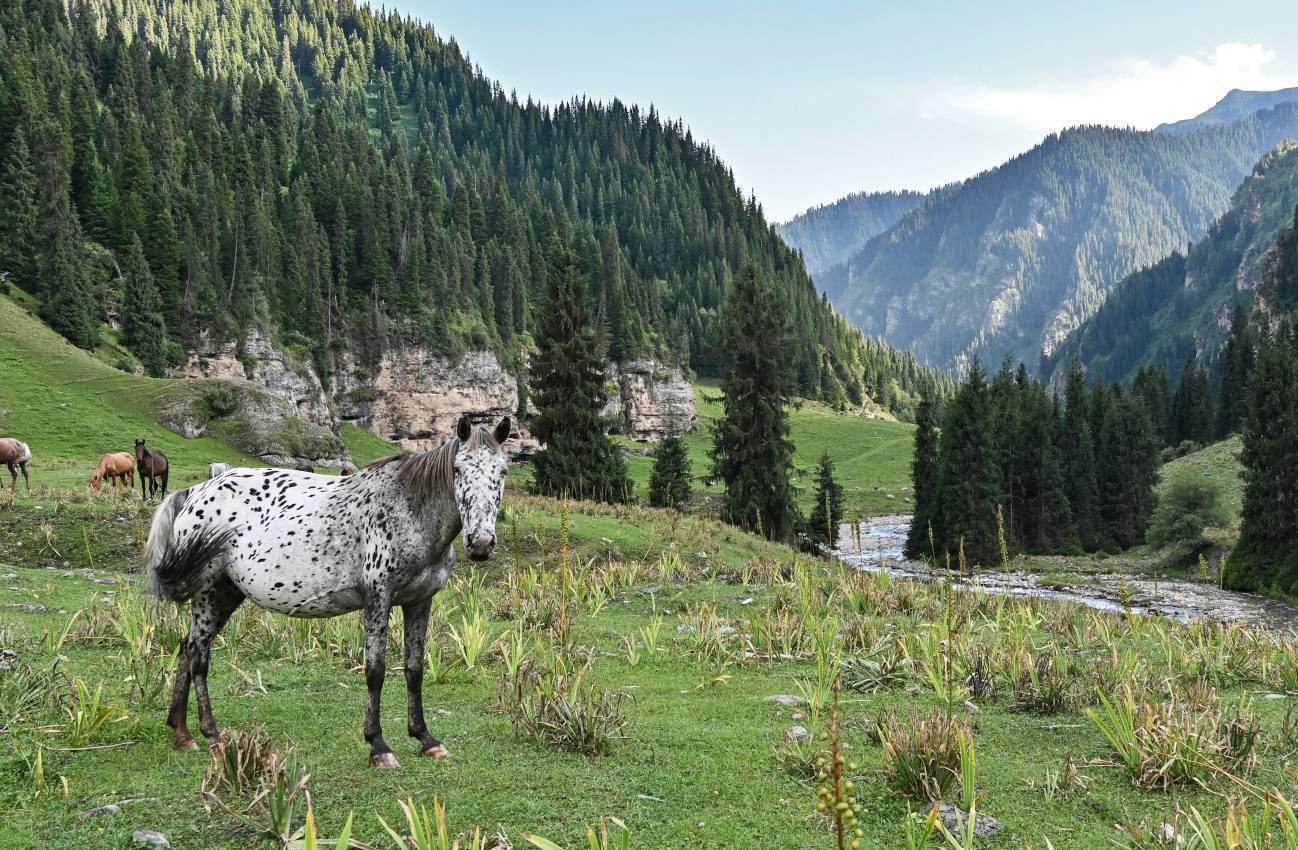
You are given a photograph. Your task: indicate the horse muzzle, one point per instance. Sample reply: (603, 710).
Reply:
(480, 548)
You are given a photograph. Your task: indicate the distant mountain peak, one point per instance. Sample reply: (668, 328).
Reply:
(1237, 104)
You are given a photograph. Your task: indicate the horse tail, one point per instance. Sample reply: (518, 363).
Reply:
(176, 570)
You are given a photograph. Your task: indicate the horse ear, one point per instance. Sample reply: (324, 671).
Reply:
(502, 430)
(464, 429)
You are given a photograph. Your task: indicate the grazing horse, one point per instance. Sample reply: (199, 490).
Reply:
(15, 455)
(115, 466)
(153, 466)
(310, 545)
(216, 469)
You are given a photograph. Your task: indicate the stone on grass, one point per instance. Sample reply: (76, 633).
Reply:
(110, 809)
(786, 699)
(797, 733)
(954, 819)
(151, 837)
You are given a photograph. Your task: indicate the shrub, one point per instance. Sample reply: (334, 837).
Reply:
(1189, 504)
(220, 401)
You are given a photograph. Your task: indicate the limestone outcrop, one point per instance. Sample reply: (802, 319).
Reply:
(292, 379)
(252, 418)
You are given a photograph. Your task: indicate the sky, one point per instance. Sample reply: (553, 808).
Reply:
(811, 101)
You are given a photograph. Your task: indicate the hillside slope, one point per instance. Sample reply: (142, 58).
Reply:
(70, 409)
(1010, 261)
(1235, 105)
(346, 178)
(831, 233)
(1184, 302)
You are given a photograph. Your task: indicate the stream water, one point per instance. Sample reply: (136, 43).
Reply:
(880, 550)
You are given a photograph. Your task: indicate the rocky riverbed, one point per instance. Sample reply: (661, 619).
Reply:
(877, 543)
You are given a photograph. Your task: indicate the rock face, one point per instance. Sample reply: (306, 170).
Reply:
(295, 381)
(414, 397)
(251, 418)
(653, 402)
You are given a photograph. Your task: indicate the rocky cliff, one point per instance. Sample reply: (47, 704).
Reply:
(414, 397)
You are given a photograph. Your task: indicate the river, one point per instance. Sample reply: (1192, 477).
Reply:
(880, 550)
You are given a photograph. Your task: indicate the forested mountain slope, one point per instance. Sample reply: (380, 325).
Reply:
(1183, 303)
(348, 179)
(831, 233)
(1008, 262)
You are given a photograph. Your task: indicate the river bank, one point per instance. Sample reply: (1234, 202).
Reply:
(877, 546)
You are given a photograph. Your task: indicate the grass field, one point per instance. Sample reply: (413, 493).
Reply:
(663, 635)
(871, 456)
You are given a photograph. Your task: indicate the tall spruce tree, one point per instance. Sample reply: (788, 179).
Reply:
(1237, 359)
(1266, 557)
(1150, 385)
(827, 512)
(970, 489)
(1078, 450)
(751, 452)
(1193, 414)
(143, 329)
(1131, 453)
(925, 480)
(19, 215)
(567, 385)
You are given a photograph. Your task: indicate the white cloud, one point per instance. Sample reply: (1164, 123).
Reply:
(1134, 92)
(927, 116)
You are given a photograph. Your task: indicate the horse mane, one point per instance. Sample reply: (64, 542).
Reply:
(433, 471)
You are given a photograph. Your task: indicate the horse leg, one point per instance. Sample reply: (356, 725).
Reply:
(165, 474)
(416, 620)
(28, 481)
(209, 612)
(376, 614)
(13, 485)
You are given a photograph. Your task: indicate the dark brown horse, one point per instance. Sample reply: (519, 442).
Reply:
(15, 455)
(153, 468)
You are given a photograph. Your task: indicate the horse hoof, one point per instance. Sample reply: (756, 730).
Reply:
(186, 744)
(437, 751)
(386, 760)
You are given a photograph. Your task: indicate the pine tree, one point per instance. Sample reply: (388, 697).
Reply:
(925, 480)
(669, 484)
(567, 380)
(1266, 557)
(143, 329)
(827, 512)
(971, 485)
(751, 452)
(1193, 415)
(19, 215)
(1237, 360)
(1078, 451)
(1131, 452)
(1150, 385)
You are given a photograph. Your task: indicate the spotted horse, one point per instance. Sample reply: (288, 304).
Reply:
(310, 545)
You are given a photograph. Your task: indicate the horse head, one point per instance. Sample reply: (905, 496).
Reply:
(140, 451)
(480, 467)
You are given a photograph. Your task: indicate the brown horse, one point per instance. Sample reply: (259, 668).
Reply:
(15, 455)
(114, 466)
(153, 466)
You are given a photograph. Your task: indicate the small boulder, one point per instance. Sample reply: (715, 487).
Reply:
(150, 837)
(110, 809)
(786, 699)
(954, 819)
(797, 733)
